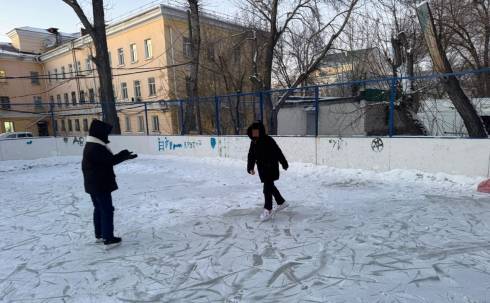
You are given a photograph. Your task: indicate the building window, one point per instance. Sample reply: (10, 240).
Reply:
(91, 95)
(73, 98)
(51, 100)
(141, 124)
(137, 90)
(5, 102)
(134, 53)
(63, 126)
(82, 97)
(79, 68)
(35, 78)
(9, 126)
(210, 52)
(77, 125)
(236, 55)
(66, 99)
(58, 100)
(70, 126)
(187, 84)
(148, 49)
(186, 48)
(155, 124)
(120, 56)
(56, 74)
(124, 91)
(128, 124)
(110, 58)
(63, 73)
(152, 87)
(70, 69)
(85, 125)
(3, 75)
(38, 103)
(49, 76)
(88, 65)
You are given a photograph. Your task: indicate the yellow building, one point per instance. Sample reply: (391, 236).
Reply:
(150, 54)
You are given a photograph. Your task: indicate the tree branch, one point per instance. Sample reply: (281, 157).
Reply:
(81, 14)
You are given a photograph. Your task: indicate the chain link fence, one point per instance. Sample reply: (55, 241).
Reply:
(417, 106)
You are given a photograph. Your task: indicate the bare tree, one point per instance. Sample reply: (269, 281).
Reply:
(465, 24)
(97, 32)
(275, 17)
(317, 59)
(463, 105)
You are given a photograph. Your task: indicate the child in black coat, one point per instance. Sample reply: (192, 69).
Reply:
(265, 152)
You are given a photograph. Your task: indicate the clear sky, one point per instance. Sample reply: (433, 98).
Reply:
(55, 13)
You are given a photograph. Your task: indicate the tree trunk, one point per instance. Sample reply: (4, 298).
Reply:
(466, 110)
(195, 37)
(107, 99)
(97, 32)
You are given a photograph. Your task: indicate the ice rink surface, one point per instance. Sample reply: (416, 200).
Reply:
(191, 233)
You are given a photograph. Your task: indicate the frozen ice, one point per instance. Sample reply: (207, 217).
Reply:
(191, 233)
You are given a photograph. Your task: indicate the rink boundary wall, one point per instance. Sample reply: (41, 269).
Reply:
(470, 157)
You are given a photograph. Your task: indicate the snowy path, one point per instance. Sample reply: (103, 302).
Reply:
(191, 233)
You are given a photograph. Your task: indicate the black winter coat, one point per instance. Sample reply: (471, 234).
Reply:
(265, 152)
(98, 162)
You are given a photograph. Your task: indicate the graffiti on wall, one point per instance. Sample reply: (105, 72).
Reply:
(337, 143)
(76, 140)
(377, 145)
(166, 144)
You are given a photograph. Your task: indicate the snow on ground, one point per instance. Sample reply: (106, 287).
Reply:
(191, 233)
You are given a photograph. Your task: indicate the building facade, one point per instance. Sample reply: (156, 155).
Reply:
(48, 79)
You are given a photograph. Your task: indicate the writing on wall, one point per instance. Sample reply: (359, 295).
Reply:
(166, 144)
(75, 140)
(377, 145)
(337, 143)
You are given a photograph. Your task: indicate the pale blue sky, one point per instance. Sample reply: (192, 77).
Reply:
(55, 13)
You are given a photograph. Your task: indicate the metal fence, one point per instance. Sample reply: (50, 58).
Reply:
(393, 106)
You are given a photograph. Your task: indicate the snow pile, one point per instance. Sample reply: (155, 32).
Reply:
(191, 233)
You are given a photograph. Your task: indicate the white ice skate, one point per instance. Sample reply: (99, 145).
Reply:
(280, 207)
(265, 215)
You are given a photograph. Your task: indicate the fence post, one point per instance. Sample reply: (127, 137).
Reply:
(239, 125)
(391, 121)
(53, 122)
(218, 106)
(261, 100)
(317, 109)
(146, 120)
(181, 104)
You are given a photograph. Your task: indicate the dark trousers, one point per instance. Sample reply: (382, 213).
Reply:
(103, 215)
(271, 190)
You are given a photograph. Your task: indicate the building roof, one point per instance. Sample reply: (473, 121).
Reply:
(8, 50)
(345, 57)
(44, 31)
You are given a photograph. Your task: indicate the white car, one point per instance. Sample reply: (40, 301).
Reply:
(16, 135)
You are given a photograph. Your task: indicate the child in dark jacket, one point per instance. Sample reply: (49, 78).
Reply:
(265, 152)
(100, 181)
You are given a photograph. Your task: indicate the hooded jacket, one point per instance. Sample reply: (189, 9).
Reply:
(98, 161)
(264, 152)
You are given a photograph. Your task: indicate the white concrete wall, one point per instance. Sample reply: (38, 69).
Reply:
(469, 157)
(291, 121)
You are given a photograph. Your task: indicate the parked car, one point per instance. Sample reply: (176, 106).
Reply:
(16, 135)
